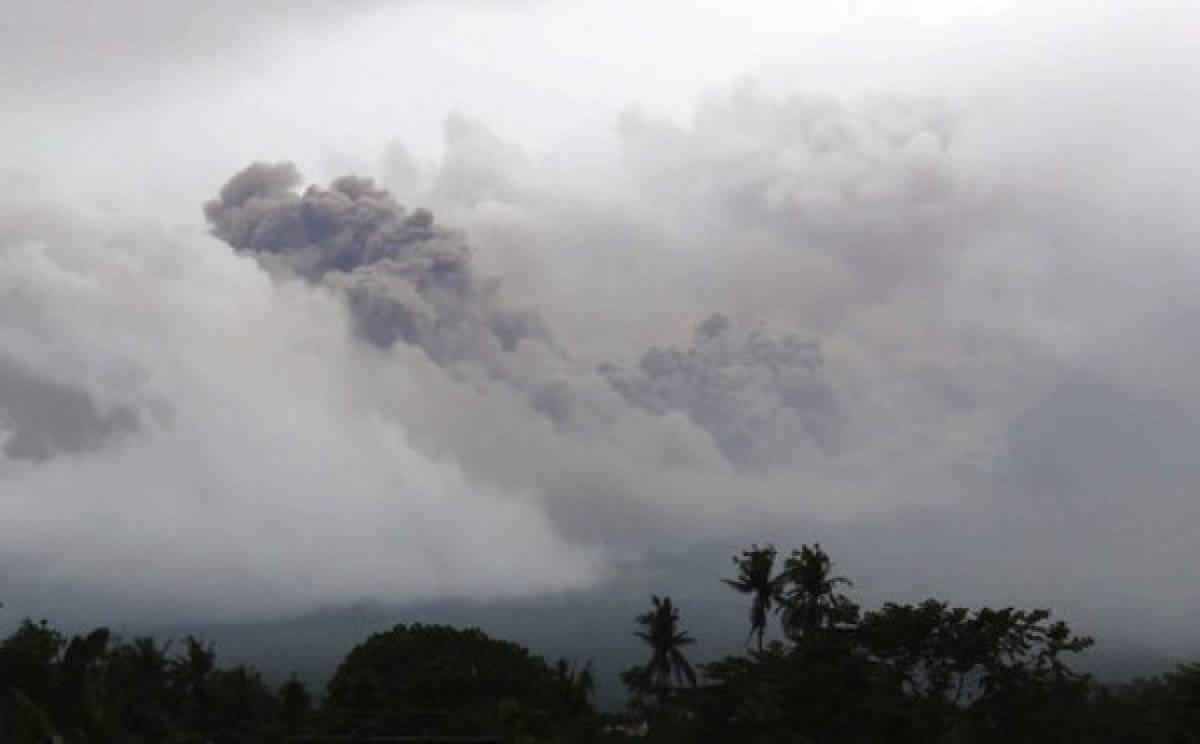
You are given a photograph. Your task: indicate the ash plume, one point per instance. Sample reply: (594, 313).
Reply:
(405, 278)
(761, 397)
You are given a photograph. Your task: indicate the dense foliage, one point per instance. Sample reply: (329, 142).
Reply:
(926, 673)
(433, 679)
(95, 688)
(414, 680)
(824, 672)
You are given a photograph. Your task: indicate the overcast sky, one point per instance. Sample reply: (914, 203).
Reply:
(919, 283)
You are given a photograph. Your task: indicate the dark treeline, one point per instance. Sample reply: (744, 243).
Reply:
(902, 673)
(830, 673)
(417, 680)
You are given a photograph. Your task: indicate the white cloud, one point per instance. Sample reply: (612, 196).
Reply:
(258, 480)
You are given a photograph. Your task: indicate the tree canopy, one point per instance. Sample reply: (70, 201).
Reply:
(923, 673)
(437, 679)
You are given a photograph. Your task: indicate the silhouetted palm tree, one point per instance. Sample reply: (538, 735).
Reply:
(665, 638)
(78, 702)
(585, 681)
(756, 569)
(190, 672)
(809, 598)
(138, 673)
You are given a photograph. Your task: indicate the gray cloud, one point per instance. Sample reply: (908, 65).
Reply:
(41, 419)
(257, 449)
(761, 398)
(405, 278)
(72, 44)
(1003, 349)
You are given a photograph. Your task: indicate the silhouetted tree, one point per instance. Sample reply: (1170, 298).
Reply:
(666, 639)
(295, 704)
(434, 679)
(27, 681)
(809, 598)
(79, 708)
(906, 674)
(242, 706)
(655, 685)
(137, 686)
(756, 577)
(190, 673)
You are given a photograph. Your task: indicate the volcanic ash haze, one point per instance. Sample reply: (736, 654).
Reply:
(405, 279)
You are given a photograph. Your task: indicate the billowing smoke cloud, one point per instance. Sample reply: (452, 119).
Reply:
(182, 437)
(761, 399)
(406, 278)
(981, 307)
